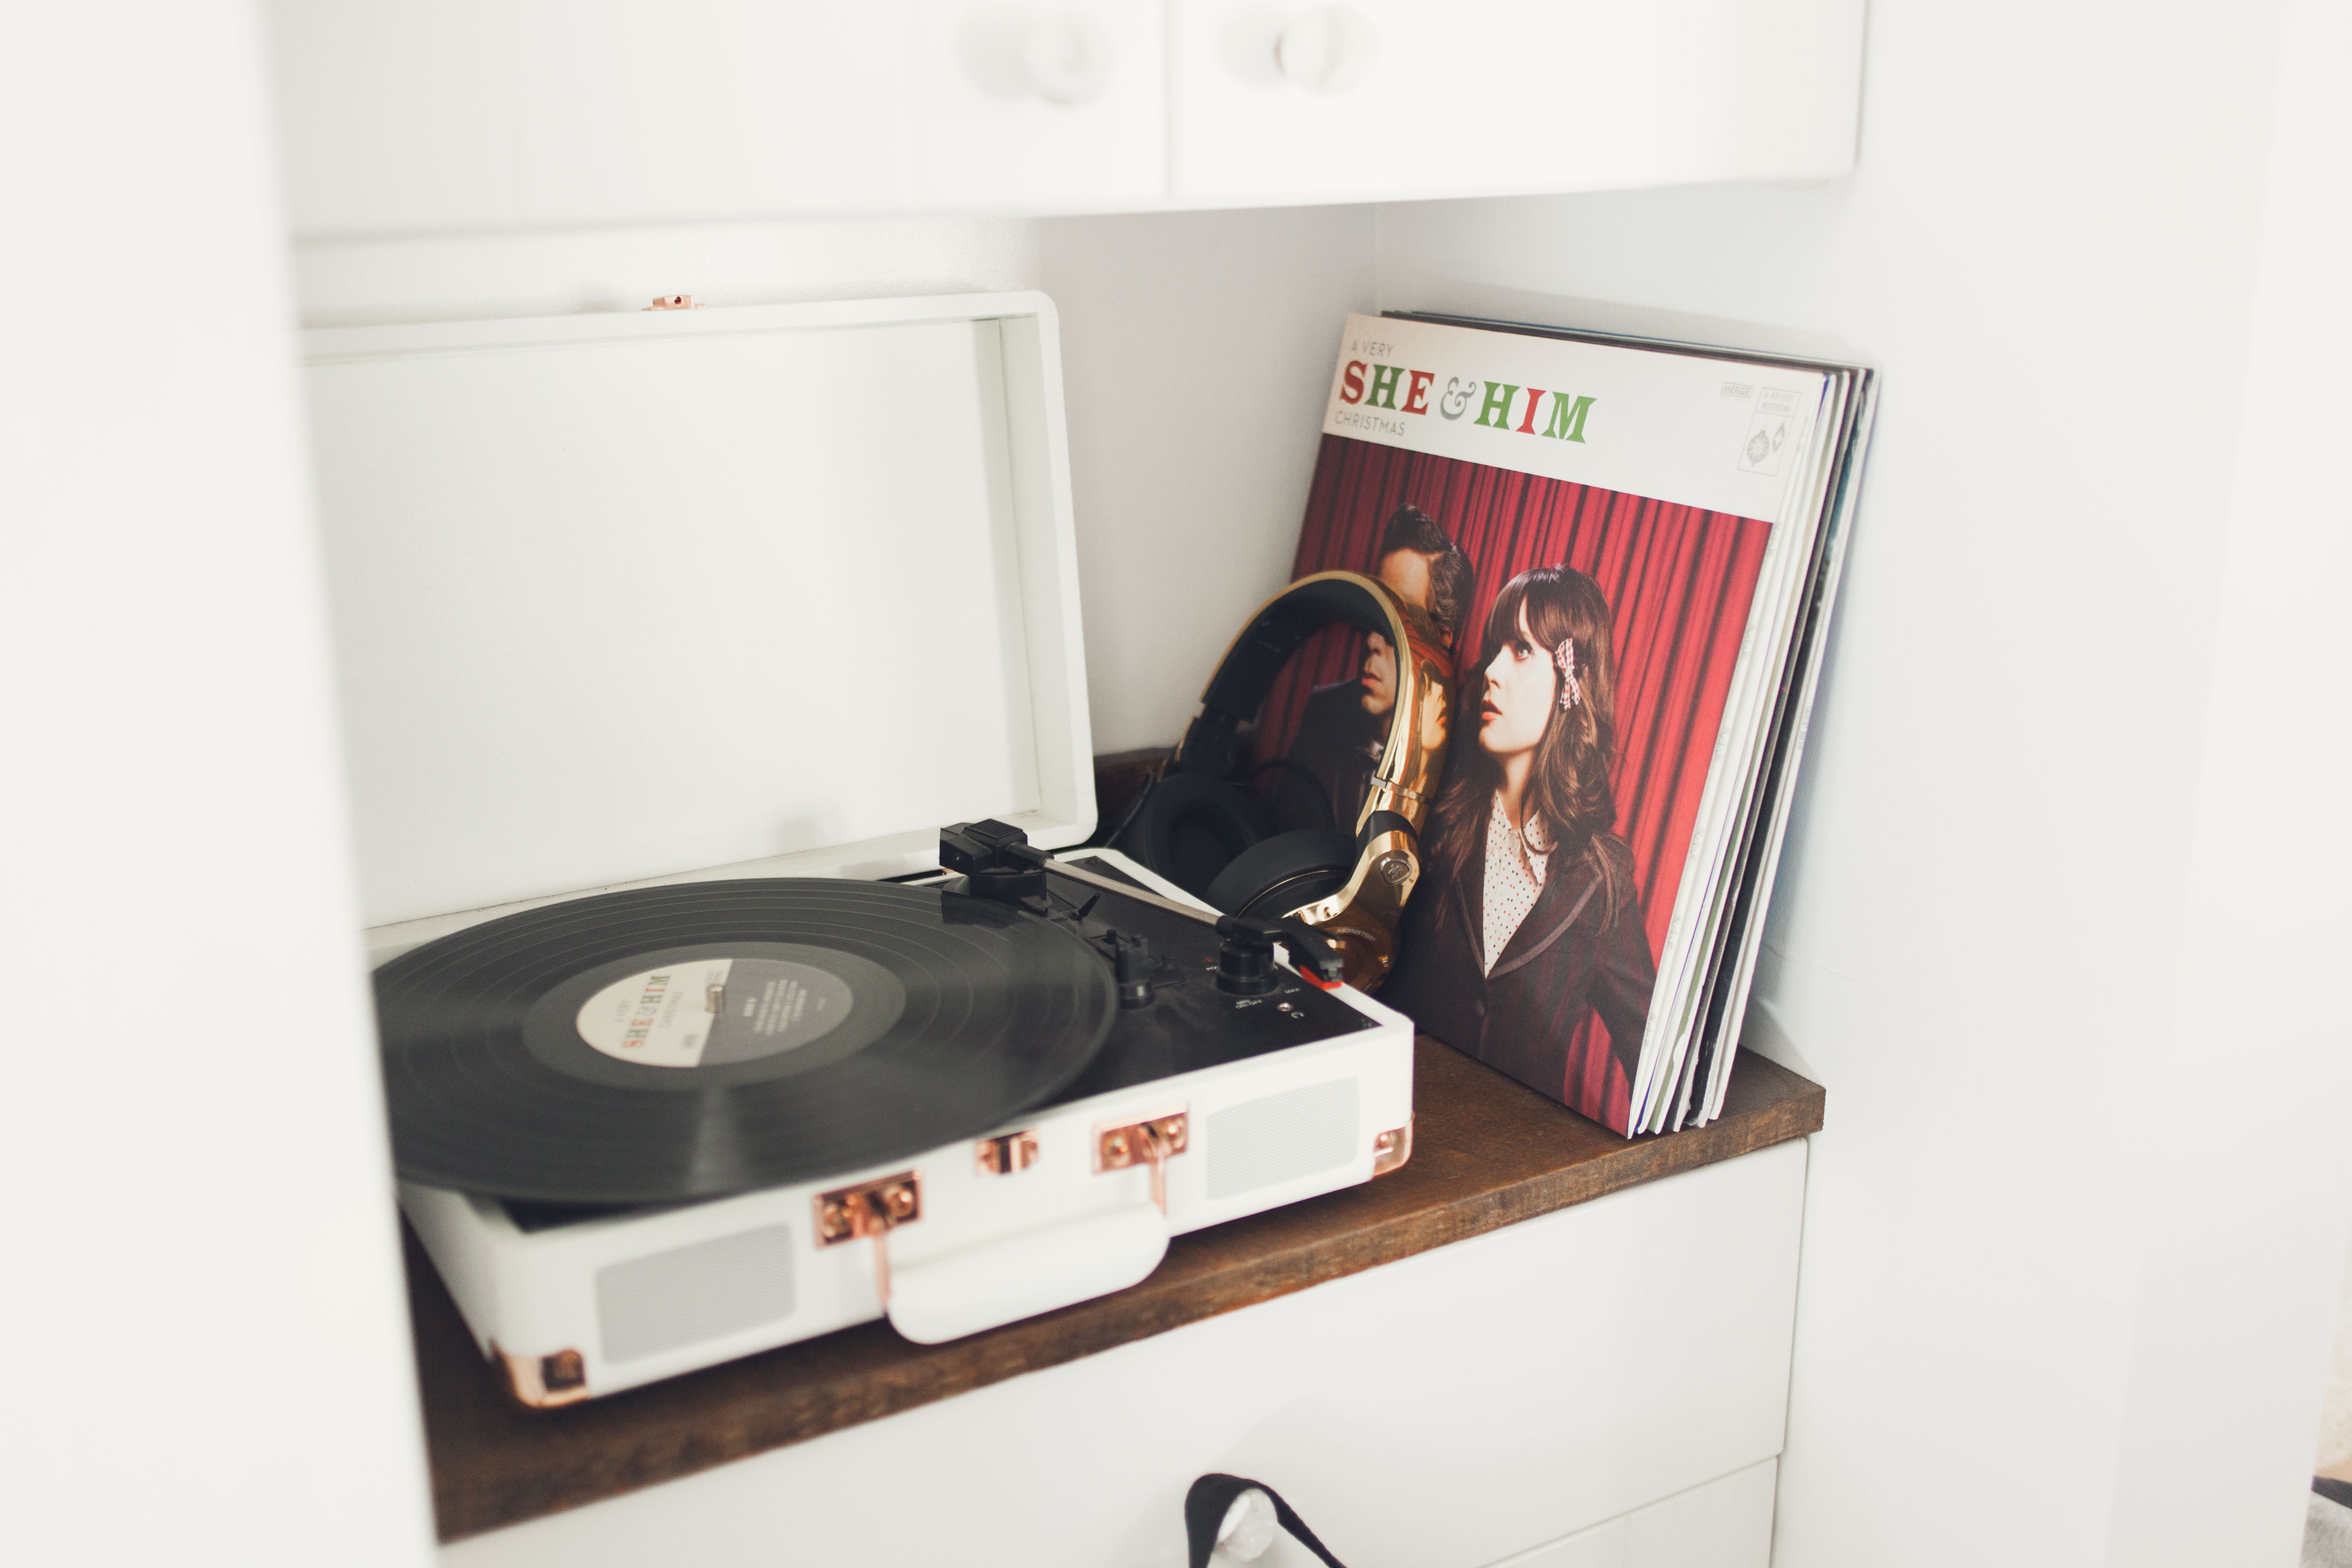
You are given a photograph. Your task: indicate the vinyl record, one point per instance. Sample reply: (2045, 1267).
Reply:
(685, 1043)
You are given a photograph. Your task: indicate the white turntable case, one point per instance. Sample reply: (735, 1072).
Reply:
(629, 599)
(595, 1306)
(1559, 1379)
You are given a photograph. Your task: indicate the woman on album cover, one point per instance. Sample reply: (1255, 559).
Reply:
(1527, 921)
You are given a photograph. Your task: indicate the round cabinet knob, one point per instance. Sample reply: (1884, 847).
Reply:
(1066, 57)
(1330, 49)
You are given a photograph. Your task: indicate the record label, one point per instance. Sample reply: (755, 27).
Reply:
(715, 1010)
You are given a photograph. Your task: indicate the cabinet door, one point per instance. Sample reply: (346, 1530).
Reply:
(1286, 101)
(1535, 94)
(1623, 1364)
(706, 109)
(1567, 95)
(1058, 105)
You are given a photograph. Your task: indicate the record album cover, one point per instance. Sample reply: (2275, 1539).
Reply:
(1616, 542)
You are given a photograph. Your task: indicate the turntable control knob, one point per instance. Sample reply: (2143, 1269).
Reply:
(1133, 968)
(1246, 967)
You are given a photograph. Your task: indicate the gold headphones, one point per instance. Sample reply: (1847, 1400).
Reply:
(1353, 886)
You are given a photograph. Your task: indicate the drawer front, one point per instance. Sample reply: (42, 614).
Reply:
(1287, 101)
(1061, 107)
(1579, 95)
(418, 116)
(447, 115)
(708, 109)
(1454, 1409)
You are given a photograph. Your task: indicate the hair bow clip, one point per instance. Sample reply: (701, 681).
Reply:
(1565, 657)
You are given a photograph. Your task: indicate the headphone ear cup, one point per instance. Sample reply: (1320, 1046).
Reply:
(1278, 875)
(1192, 827)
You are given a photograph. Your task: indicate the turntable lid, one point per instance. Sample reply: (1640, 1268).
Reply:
(621, 596)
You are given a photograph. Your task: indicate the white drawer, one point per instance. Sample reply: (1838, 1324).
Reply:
(1450, 1410)
(709, 108)
(1331, 126)
(1060, 106)
(415, 116)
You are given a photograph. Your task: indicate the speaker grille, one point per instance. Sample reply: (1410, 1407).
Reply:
(1282, 1137)
(689, 1295)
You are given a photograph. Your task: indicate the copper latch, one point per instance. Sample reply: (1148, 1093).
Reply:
(1006, 1154)
(1392, 1148)
(1156, 1139)
(673, 302)
(871, 1208)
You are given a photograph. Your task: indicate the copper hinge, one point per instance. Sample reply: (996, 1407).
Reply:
(673, 302)
(1392, 1148)
(1006, 1153)
(1155, 1141)
(872, 1209)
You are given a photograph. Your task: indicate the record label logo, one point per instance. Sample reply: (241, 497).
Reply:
(706, 1011)
(1776, 420)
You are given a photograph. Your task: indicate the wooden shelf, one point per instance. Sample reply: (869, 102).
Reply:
(1487, 1153)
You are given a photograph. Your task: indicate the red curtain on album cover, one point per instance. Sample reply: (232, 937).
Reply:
(1679, 581)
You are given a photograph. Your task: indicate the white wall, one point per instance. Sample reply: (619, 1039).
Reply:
(2056, 917)
(208, 1348)
(2333, 1456)
(2012, 935)
(1197, 350)
(2245, 1191)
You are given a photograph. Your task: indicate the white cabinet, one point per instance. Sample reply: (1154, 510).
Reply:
(403, 116)
(1287, 102)
(709, 108)
(1603, 1386)
(1382, 98)
(1060, 106)
(1562, 94)
(706, 109)
(421, 115)
(1520, 94)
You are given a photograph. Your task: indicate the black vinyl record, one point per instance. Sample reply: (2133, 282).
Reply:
(685, 1043)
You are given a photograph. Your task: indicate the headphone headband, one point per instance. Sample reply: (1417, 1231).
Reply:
(1406, 773)
(1361, 918)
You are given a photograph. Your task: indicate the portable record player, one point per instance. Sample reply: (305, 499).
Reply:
(668, 643)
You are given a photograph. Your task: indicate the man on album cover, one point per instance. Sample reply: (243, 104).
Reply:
(1327, 772)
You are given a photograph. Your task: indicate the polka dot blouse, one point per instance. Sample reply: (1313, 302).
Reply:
(1515, 876)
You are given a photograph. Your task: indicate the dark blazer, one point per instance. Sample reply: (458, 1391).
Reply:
(1562, 964)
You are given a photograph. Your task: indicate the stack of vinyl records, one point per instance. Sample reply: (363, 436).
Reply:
(1633, 547)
